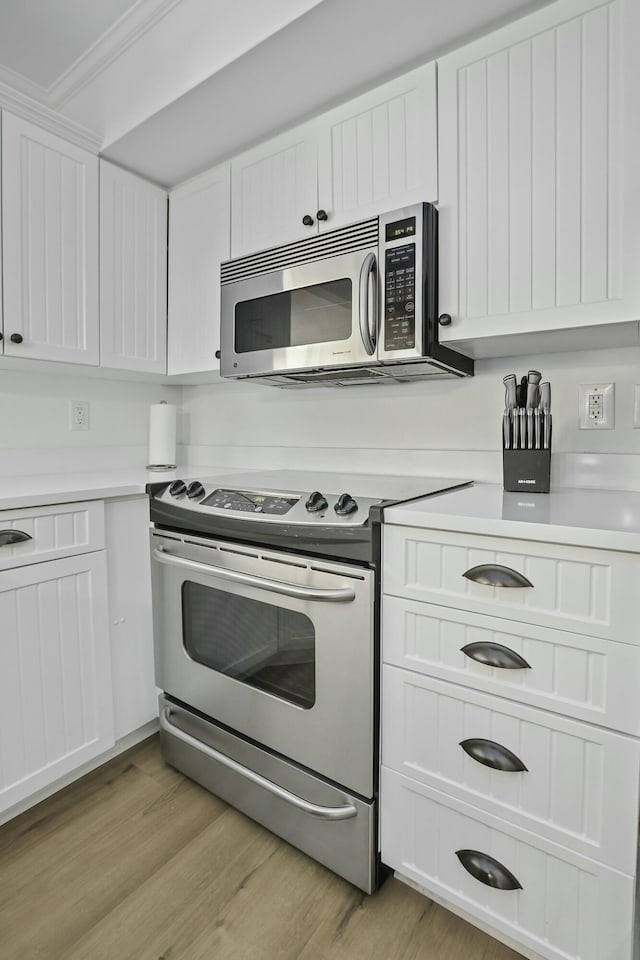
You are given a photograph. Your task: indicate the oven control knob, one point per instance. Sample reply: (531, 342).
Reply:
(178, 488)
(316, 502)
(345, 504)
(195, 490)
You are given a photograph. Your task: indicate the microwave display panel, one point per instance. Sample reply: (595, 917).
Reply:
(399, 229)
(320, 313)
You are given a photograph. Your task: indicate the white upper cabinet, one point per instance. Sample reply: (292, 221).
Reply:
(379, 152)
(133, 272)
(50, 245)
(199, 240)
(538, 158)
(372, 154)
(274, 187)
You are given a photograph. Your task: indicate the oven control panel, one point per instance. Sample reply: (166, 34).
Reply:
(400, 297)
(248, 501)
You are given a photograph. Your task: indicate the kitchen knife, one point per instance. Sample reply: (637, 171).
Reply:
(533, 379)
(545, 405)
(523, 427)
(509, 391)
(515, 414)
(506, 429)
(537, 413)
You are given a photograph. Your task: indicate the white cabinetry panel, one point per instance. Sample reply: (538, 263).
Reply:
(584, 677)
(130, 620)
(273, 187)
(592, 592)
(133, 272)
(199, 240)
(570, 790)
(61, 530)
(50, 244)
(569, 907)
(538, 157)
(379, 151)
(55, 674)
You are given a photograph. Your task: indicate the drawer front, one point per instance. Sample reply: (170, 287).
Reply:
(587, 678)
(593, 592)
(568, 906)
(61, 530)
(580, 785)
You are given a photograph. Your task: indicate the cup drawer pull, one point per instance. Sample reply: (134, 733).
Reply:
(492, 755)
(495, 575)
(495, 655)
(487, 870)
(9, 537)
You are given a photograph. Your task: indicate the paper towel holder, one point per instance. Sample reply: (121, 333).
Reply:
(159, 467)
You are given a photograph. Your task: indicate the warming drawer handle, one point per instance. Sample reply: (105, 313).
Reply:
(339, 595)
(492, 755)
(495, 575)
(495, 655)
(313, 809)
(484, 868)
(9, 537)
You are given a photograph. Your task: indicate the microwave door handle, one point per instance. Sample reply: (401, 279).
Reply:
(337, 595)
(367, 303)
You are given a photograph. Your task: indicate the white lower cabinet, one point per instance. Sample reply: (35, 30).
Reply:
(510, 739)
(55, 672)
(135, 701)
(565, 907)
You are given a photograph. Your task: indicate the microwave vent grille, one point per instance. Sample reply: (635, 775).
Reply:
(357, 236)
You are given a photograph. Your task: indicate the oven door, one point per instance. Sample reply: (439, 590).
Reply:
(277, 647)
(318, 315)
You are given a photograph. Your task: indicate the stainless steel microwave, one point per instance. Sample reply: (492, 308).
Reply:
(354, 305)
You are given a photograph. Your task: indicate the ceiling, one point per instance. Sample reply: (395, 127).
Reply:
(171, 87)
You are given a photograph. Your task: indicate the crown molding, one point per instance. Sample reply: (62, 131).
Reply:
(29, 109)
(107, 48)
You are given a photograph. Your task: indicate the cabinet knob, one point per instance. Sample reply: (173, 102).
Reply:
(322, 215)
(217, 354)
(307, 220)
(16, 338)
(444, 319)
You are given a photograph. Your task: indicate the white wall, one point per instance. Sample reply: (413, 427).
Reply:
(450, 427)
(34, 416)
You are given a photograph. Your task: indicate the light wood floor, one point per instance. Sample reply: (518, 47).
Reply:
(135, 862)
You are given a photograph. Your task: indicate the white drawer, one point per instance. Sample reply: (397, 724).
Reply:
(61, 530)
(593, 592)
(585, 677)
(568, 907)
(580, 786)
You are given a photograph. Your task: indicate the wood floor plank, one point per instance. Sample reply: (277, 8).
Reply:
(136, 862)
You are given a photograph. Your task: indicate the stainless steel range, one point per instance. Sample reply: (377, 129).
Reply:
(266, 621)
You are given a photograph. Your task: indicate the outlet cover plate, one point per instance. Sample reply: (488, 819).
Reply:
(78, 414)
(596, 406)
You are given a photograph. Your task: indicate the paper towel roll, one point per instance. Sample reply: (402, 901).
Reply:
(162, 435)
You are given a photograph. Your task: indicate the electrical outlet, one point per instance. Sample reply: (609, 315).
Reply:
(596, 406)
(79, 415)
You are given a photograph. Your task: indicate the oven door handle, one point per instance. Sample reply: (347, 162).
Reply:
(339, 595)
(313, 809)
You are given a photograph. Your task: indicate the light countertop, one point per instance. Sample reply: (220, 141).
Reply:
(607, 519)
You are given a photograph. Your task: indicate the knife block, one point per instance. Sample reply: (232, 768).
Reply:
(526, 471)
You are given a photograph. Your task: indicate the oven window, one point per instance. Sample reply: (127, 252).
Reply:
(260, 644)
(317, 314)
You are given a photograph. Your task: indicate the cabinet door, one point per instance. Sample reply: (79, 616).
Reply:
(199, 240)
(130, 623)
(379, 152)
(273, 187)
(539, 199)
(50, 243)
(133, 272)
(55, 674)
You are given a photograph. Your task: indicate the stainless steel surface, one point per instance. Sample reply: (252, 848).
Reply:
(523, 428)
(516, 428)
(343, 595)
(509, 391)
(495, 575)
(368, 304)
(348, 847)
(506, 429)
(335, 736)
(343, 812)
(537, 413)
(545, 404)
